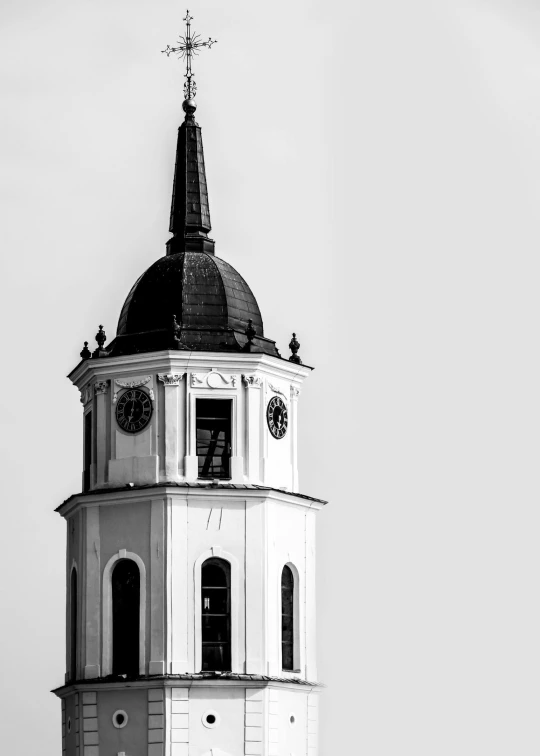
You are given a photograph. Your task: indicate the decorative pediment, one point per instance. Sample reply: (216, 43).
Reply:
(214, 380)
(134, 382)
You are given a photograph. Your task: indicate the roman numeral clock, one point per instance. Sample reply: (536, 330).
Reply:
(190, 623)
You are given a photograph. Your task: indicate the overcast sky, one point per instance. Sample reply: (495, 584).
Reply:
(373, 171)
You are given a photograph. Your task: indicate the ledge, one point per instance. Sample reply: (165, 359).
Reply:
(201, 679)
(195, 486)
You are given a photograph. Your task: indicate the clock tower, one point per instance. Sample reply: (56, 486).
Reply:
(190, 571)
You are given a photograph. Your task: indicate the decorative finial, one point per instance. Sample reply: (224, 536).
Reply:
(101, 338)
(85, 353)
(188, 46)
(294, 346)
(250, 333)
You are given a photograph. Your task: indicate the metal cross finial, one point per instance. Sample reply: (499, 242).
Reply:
(188, 46)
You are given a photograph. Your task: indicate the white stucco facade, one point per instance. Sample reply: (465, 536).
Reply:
(165, 450)
(143, 501)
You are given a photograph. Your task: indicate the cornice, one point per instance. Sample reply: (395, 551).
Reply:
(232, 493)
(181, 361)
(226, 680)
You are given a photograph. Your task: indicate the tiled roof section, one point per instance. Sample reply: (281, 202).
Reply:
(225, 676)
(240, 299)
(204, 300)
(197, 485)
(209, 299)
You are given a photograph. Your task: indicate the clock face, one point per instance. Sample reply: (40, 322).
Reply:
(134, 410)
(276, 417)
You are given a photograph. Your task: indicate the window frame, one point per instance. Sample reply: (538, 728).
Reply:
(225, 566)
(298, 622)
(107, 616)
(191, 424)
(229, 401)
(236, 619)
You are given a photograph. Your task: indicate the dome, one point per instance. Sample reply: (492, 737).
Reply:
(197, 298)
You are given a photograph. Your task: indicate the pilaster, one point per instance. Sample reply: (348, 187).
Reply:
(157, 588)
(171, 385)
(295, 393)
(90, 731)
(256, 592)
(253, 392)
(102, 390)
(92, 593)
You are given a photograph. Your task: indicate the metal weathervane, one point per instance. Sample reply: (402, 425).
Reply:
(188, 46)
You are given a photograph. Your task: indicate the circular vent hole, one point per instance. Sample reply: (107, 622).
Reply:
(210, 718)
(120, 719)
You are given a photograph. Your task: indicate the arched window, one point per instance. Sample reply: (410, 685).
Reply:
(73, 626)
(125, 618)
(216, 615)
(287, 619)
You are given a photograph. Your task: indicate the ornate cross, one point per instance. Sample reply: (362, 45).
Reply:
(188, 46)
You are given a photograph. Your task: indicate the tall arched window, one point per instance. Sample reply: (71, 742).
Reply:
(287, 619)
(216, 615)
(125, 618)
(73, 626)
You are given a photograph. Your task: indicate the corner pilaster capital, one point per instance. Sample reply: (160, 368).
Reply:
(295, 392)
(86, 394)
(101, 387)
(252, 381)
(170, 379)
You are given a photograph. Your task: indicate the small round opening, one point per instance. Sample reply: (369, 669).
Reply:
(120, 719)
(292, 719)
(210, 718)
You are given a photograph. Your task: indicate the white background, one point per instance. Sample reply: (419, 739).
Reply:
(374, 175)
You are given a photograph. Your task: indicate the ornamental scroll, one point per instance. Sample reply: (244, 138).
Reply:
(214, 380)
(136, 383)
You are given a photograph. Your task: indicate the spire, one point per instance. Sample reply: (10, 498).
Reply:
(190, 212)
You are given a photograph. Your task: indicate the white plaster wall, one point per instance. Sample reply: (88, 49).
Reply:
(289, 539)
(166, 449)
(228, 736)
(293, 737)
(211, 531)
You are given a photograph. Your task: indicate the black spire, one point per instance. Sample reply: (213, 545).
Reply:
(190, 212)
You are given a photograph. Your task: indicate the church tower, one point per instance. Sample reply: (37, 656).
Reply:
(190, 572)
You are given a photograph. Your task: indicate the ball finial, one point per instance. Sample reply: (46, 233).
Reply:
(189, 107)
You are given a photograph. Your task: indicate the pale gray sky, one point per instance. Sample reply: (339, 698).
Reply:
(374, 175)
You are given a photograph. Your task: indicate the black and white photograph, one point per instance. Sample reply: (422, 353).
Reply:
(270, 359)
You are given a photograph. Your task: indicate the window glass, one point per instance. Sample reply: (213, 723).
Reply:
(216, 615)
(126, 600)
(287, 618)
(214, 437)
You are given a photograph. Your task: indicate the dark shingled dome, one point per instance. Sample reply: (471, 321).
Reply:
(210, 300)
